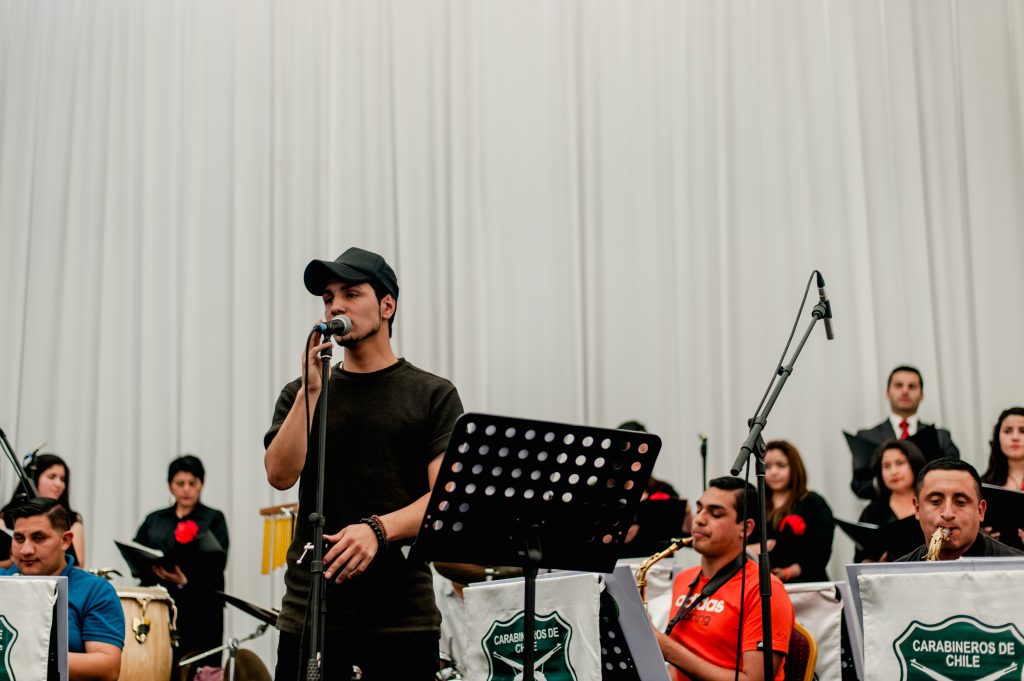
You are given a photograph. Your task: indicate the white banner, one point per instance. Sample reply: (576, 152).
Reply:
(567, 637)
(820, 612)
(26, 615)
(944, 626)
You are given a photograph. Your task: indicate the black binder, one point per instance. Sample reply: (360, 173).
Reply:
(204, 548)
(897, 538)
(926, 439)
(1005, 513)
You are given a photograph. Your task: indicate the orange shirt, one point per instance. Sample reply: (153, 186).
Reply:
(710, 628)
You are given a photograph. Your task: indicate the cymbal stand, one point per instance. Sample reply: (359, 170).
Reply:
(232, 647)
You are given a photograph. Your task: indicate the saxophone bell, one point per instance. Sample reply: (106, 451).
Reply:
(939, 537)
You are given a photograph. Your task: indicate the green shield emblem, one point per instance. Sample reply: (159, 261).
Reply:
(960, 648)
(503, 648)
(8, 635)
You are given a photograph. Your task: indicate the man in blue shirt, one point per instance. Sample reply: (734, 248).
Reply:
(96, 630)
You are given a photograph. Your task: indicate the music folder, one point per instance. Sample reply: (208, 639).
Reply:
(203, 549)
(926, 439)
(897, 538)
(1004, 513)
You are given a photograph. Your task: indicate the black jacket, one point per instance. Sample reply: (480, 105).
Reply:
(863, 483)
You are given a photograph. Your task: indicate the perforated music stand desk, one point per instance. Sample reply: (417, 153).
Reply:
(535, 494)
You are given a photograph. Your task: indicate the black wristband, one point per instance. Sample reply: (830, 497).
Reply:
(378, 530)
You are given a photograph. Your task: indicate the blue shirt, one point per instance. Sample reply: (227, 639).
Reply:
(94, 610)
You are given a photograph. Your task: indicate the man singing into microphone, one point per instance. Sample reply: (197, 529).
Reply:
(388, 424)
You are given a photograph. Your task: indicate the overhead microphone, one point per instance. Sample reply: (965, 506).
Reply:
(338, 326)
(823, 298)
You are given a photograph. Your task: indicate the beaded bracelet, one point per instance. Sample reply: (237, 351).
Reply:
(383, 530)
(378, 529)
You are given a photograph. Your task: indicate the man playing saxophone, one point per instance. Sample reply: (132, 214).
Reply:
(950, 509)
(718, 604)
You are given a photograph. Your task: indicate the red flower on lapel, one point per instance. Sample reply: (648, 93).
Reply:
(186, 531)
(795, 523)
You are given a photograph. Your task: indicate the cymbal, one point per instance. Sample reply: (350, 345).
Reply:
(262, 614)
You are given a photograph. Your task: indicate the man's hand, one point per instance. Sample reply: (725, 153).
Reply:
(696, 668)
(286, 455)
(311, 358)
(174, 577)
(353, 550)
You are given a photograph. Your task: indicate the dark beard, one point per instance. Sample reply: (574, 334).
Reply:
(352, 340)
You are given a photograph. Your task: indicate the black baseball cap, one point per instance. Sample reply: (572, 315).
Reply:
(354, 266)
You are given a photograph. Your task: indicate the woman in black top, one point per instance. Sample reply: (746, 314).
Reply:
(799, 521)
(191, 583)
(52, 478)
(1006, 459)
(1006, 453)
(895, 464)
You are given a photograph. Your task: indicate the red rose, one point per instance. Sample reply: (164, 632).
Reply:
(795, 523)
(186, 531)
(659, 496)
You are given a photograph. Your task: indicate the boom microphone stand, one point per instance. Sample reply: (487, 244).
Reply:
(754, 444)
(25, 482)
(704, 460)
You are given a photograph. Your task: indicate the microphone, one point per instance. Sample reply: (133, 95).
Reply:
(338, 326)
(823, 298)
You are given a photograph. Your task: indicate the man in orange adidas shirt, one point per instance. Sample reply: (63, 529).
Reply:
(706, 615)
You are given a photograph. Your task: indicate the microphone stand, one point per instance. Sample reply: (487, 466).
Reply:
(754, 444)
(318, 595)
(25, 481)
(704, 460)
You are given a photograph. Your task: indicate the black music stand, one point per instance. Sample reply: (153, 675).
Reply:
(535, 494)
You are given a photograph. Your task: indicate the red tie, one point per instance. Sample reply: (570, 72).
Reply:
(904, 429)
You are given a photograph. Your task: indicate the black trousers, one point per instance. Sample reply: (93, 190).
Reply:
(381, 657)
(201, 628)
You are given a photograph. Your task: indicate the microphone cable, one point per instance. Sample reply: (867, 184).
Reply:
(781, 363)
(775, 374)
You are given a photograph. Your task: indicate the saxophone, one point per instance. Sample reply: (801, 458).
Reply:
(641, 573)
(940, 535)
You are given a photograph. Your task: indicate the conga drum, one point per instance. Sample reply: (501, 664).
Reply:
(150, 620)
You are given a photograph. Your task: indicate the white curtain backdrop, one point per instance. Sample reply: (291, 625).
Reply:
(598, 210)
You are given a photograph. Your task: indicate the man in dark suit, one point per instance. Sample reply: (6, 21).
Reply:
(905, 391)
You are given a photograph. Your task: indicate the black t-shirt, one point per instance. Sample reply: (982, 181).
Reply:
(383, 428)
